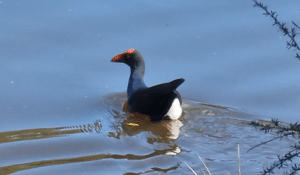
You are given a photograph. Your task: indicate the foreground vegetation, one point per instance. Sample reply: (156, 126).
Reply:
(281, 129)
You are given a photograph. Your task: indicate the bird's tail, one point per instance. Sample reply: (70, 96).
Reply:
(175, 83)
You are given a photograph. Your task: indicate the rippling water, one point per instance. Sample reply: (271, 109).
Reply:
(117, 143)
(60, 102)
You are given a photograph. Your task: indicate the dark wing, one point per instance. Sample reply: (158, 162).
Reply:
(155, 100)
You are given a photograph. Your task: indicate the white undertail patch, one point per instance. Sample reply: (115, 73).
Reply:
(175, 111)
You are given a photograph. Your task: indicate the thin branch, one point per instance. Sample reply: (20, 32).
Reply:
(283, 130)
(262, 143)
(291, 33)
(190, 168)
(239, 158)
(204, 165)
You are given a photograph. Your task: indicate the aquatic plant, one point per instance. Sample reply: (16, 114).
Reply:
(290, 32)
(282, 130)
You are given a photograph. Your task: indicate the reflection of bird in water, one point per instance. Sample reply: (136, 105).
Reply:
(164, 129)
(156, 101)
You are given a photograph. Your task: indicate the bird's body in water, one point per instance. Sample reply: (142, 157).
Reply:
(157, 101)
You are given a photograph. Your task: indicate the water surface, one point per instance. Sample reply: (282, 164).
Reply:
(61, 96)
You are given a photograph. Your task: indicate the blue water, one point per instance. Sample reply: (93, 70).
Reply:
(55, 64)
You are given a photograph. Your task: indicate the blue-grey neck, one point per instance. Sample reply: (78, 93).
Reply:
(136, 80)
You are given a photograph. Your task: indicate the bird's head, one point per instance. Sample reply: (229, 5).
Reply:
(130, 57)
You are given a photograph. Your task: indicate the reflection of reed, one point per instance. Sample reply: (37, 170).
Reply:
(25, 166)
(41, 133)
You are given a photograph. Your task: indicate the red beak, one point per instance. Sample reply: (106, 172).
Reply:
(118, 58)
(121, 56)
